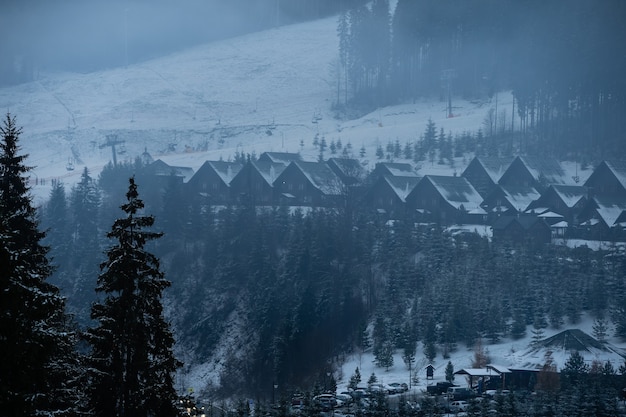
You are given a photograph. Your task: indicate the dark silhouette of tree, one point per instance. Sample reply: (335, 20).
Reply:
(450, 372)
(575, 369)
(38, 365)
(131, 361)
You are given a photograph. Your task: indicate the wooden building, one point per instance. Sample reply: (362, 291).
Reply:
(447, 200)
(212, 180)
(310, 184)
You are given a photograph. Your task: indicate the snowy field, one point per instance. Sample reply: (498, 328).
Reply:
(267, 91)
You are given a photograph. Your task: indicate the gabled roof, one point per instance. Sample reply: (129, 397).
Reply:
(609, 209)
(269, 170)
(570, 194)
(397, 169)
(457, 191)
(348, 167)
(160, 168)
(618, 168)
(494, 167)
(548, 168)
(225, 170)
(572, 339)
(519, 196)
(280, 157)
(401, 186)
(321, 176)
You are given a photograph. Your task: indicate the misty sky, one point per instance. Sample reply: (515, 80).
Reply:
(85, 35)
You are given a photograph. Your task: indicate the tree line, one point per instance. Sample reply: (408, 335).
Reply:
(560, 59)
(310, 287)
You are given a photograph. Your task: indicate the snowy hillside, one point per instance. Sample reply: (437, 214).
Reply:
(268, 91)
(265, 91)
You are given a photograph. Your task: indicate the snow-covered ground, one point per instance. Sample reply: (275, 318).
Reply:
(266, 91)
(509, 353)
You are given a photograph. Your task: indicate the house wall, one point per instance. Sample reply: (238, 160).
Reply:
(293, 181)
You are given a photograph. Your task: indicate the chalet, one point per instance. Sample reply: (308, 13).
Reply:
(388, 195)
(510, 199)
(534, 172)
(566, 200)
(484, 173)
(521, 229)
(212, 180)
(449, 200)
(391, 169)
(311, 184)
(159, 169)
(254, 183)
(155, 178)
(350, 171)
(284, 158)
(602, 218)
(608, 180)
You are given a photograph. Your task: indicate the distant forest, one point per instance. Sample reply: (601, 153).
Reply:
(563, 60)
(310, 287)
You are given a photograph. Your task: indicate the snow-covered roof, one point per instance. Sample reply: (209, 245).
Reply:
(494, 167)
(321, 176)
(520, 196)
(609, 209)
(402, 186)
(280, 157)
(457, 191)
(550, 215)
(225, 170)
(477, 372)
(499, 368)
(548, 168)
(269, 170)
(619, 170)
(161, 168)
(570, 194)
(398, 169)
(560, 225)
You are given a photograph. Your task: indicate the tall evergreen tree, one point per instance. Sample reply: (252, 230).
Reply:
(131, 362)
(34, 337)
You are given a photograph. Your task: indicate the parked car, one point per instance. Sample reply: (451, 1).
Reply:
(459, 393)
(439, 388)
(397, 388)
(326, 401)
(378, 388)
(345, 398)
(458, 406)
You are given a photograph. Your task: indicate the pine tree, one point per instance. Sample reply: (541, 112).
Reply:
(37, 345)
(131, 362)
(55, 222)
(355, 379)
(450, 372)
(574, 369)
(600, 329)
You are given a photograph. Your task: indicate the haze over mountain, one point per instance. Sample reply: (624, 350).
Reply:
(268, 91)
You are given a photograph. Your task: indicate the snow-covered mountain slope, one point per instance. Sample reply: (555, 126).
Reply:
(266, 91)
